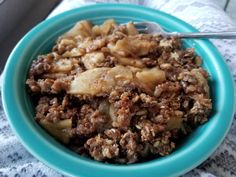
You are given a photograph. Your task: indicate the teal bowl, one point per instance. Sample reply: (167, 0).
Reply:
(195, 149)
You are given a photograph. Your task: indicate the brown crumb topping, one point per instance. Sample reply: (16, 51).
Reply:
(112, 94)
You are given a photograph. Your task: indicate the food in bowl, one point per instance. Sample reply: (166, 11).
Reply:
(110, 93)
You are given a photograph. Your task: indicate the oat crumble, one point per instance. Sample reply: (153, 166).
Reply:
(118, 96)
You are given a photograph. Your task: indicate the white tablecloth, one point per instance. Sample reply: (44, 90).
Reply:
(205, 15)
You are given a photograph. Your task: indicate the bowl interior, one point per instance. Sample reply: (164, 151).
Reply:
(20, 111)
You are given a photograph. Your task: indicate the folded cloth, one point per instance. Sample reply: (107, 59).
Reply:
(204, 15)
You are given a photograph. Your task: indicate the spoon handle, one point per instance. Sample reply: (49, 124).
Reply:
(212, 35)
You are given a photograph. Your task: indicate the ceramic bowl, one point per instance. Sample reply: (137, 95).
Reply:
(196, 148)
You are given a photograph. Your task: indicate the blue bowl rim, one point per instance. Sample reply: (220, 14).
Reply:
(8, 100)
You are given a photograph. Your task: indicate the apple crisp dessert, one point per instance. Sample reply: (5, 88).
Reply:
(110, 93)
